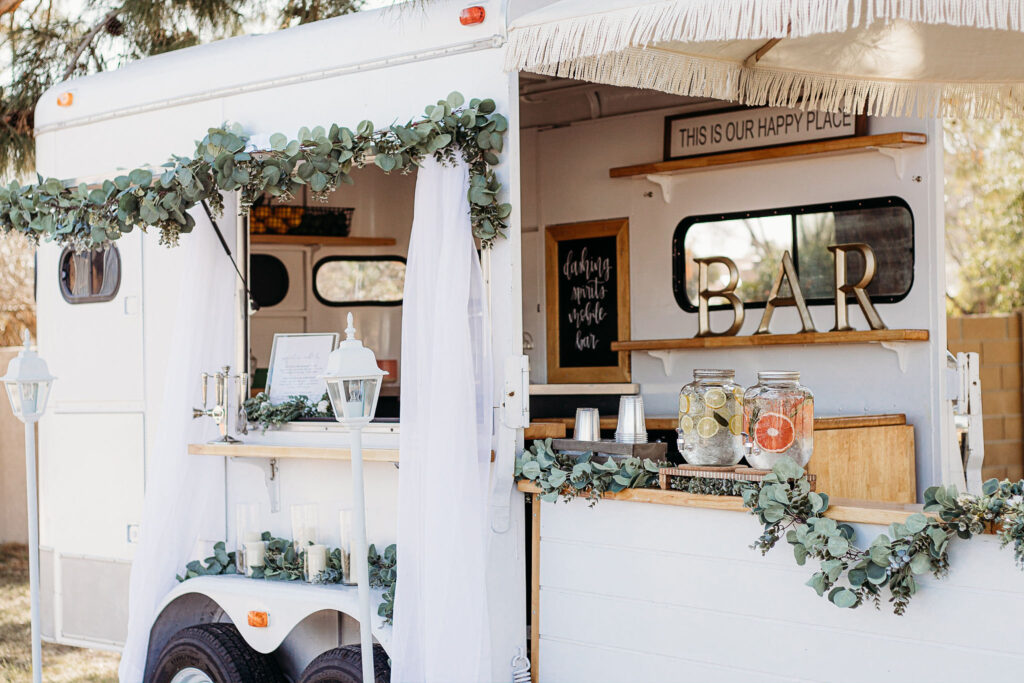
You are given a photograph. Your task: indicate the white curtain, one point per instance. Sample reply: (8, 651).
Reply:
(184, 499)
(441, 624)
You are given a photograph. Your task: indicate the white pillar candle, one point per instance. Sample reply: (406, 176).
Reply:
(316, 561)
(255, 555)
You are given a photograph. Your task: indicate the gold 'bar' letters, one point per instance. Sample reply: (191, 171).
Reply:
(786, 272)
(704, 295)
(842, 287)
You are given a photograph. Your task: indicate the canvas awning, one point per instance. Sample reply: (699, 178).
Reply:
(880, 57)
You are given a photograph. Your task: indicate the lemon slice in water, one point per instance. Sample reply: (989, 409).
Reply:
(714, 397)
(707, 427)
(686, 424)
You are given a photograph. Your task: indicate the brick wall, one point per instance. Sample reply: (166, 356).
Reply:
(997, 338)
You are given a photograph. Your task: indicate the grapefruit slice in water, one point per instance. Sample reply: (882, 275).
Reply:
(774, 432)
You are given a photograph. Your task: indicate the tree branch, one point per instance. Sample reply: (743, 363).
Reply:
(7, 6)
(87, 39)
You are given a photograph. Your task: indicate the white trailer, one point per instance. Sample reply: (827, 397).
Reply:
(597, 583)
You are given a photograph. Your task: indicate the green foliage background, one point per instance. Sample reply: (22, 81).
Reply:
(984, 198)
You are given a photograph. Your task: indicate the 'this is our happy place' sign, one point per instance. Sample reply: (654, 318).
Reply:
(690, 135)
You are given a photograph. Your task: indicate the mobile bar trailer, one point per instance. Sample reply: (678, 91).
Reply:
(650, 584)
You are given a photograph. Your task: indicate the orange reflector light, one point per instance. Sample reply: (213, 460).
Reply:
(65, 99)
(258, 619)
(472, 15)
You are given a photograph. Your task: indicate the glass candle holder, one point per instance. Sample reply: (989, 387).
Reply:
(247, 530)
(314, 563)
(255, 556)
(711, 419)
(345, 545)
(778, 418)
(304, 526)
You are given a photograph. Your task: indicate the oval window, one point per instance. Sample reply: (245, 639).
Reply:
(89, 276)
(359, 280)
(268, 280)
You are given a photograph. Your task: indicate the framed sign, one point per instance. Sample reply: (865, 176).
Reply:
(745, 128)
(297, 365)
(587, 291)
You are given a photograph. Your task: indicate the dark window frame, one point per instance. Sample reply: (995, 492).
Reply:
(329, 259)
(679, 246)
(91, 298)
(287, 278)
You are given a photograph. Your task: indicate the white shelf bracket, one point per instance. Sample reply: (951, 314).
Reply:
(667, 358)
(667, 183)
(900, 349)
(898, 156)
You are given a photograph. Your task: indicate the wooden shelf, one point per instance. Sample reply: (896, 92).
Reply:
(322, 241)
(851, 337)
(857, 512)
(669, 423)
(840, 146)
(246, 450)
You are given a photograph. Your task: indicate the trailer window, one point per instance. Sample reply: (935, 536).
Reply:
(756, 240)
(359, 280)
(90, 276)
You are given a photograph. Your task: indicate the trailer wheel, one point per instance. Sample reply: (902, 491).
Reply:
(344, 665)
(213, 653)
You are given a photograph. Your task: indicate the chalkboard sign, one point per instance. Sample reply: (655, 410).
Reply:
(587, 291)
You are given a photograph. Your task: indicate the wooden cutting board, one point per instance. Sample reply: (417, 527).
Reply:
(866, 463)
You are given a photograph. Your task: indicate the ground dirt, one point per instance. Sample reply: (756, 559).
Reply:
(60, 664)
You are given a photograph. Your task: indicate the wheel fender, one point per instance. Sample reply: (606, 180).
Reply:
(286, 603)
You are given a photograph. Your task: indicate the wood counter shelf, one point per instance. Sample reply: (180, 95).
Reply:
(803, 149)
(248, 450)
(857, 512)
(322, 240)
(850, 337)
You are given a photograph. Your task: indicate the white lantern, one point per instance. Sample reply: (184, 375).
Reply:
(27, 383)
(353, 380)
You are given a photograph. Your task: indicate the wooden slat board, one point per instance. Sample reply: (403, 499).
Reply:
(893, 140)
(869, 463)
(850, 337)
(552, 429)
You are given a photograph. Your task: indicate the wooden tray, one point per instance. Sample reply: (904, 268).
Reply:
(644, 451)
(735, 473)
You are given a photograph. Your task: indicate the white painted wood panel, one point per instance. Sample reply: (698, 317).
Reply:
(634, 591)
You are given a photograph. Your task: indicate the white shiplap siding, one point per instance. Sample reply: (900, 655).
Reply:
(642, 592)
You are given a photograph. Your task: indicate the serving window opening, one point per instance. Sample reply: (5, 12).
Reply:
(311, 263)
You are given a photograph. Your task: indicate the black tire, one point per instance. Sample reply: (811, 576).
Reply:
(344, 665)
(219, 651)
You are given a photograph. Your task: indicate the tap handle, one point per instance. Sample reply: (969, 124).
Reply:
(205, 379)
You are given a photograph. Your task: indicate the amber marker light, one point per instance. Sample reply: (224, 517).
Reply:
(65, 99)
(472, 15)
(258, 619)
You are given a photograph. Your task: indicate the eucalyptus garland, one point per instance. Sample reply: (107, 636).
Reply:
(787, 507)
(86, 217)
(283, 563)
(259, 410)
(571, 476)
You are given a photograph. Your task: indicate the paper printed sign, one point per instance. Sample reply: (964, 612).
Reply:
(297, 365)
